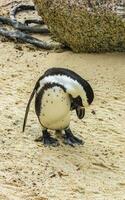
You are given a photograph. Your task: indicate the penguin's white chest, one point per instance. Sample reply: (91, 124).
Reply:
(55, 109)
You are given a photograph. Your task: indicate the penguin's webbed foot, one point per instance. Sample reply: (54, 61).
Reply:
(48, 140)
(70, 139)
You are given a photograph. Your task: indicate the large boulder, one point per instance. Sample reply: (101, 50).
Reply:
(84, 25)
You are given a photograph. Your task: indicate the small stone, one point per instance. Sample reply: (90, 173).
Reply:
(93, 112)
(19, 47)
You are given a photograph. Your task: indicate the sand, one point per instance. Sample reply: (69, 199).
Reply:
(30, 171)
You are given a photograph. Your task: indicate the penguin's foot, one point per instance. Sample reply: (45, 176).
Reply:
(48, 140)
(70, 139)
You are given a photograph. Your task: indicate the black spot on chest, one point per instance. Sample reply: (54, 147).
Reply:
(39, 96)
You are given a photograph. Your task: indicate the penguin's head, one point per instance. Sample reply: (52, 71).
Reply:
(76, 104)
(82, 96)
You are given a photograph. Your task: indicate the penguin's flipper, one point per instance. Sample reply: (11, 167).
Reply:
(27, 108)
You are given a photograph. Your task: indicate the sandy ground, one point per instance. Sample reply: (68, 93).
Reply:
(30, 171)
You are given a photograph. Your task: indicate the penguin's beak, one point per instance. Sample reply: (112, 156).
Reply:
(80, 111)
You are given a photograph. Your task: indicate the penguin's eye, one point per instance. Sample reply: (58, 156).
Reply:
(76, 102)
(79, 101)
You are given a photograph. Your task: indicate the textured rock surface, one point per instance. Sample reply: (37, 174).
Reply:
(83, 26)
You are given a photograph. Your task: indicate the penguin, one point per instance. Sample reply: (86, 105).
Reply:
(58, 92)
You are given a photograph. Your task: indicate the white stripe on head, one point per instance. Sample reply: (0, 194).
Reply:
(73, 87)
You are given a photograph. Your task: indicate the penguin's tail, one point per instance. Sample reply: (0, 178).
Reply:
(27, 108)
